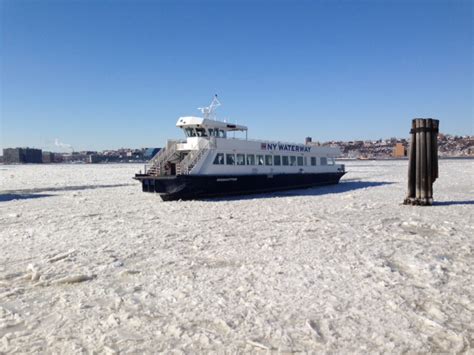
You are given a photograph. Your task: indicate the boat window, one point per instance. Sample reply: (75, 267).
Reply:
(324, 161)
(268, 160)
(313, 161)
(219, 159)
(292, 160)
(240, 159)
(277, 160)
(214, 132)
(190, 132)
(260, 160)
(285, 160)
(300, 161)
(201, 132)
(250, 159)
(332, 161)
(230, 159)
(222, 133)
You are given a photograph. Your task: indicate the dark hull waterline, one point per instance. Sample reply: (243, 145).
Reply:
(188, 187)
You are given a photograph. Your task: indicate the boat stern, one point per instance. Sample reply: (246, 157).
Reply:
(163, 185)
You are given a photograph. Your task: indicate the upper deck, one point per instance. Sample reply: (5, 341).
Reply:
(204, 127)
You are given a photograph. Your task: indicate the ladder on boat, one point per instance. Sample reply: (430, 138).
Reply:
(157, 164)
(185, 166)
(194, 156)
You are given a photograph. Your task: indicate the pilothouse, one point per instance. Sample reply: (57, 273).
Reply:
(209, 162)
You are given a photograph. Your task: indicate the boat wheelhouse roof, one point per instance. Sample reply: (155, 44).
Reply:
(199, 122)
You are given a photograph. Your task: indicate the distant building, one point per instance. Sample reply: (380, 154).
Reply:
(33, 156)
(399, 151)
(48, 157)
(74, 157)
(22, 155)
(12, 155)
(95, 158)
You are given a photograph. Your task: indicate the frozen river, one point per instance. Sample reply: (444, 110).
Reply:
(89, 263)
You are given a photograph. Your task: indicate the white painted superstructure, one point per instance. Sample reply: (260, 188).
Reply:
(209, 150)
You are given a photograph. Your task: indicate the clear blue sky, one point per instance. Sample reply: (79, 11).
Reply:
(109, 74)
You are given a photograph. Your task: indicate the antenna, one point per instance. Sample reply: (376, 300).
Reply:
(209, 112)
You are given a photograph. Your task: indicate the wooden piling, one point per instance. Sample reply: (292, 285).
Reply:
(422, 196)
(418, 160)
(412, 163)
(423, 164)
(434, 140)
(429, 161)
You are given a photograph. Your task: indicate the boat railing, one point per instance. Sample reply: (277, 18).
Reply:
(193, 157)
(157, 157)
(158, 162)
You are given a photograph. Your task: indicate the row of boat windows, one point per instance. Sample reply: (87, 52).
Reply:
(252, 159)
(202, 132)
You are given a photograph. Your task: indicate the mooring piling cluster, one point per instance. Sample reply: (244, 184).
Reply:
(423, 161)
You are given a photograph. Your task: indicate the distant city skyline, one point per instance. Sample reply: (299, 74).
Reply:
(101, 75)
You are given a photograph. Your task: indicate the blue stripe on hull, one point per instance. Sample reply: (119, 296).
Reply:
(187, 187)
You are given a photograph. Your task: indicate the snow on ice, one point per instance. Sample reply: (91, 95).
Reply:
(89, 263)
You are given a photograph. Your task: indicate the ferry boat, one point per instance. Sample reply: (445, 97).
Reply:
(210, 163)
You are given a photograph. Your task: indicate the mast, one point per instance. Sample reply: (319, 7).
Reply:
(209, 112)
